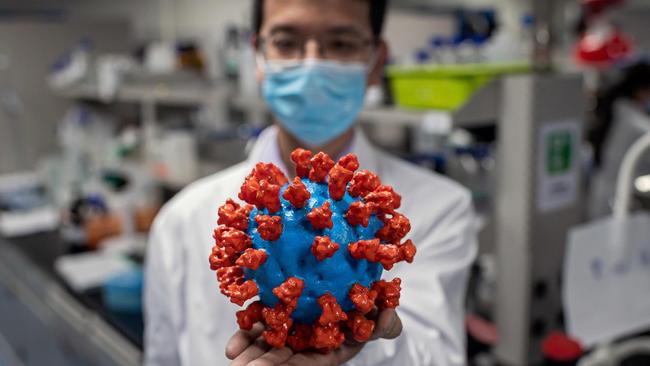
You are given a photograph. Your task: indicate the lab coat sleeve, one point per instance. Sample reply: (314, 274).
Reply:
(433, 292)
(162, 297)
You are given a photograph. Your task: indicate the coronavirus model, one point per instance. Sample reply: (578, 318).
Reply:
(312, 250)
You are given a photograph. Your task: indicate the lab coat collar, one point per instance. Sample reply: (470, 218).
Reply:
(266, 149)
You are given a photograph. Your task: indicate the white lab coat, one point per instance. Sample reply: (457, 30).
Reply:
(628, 125)
(188, 321)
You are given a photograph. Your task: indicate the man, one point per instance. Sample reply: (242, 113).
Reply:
(623, 116)
(316, 59)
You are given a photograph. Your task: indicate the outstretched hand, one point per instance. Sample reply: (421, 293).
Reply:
(248, 348)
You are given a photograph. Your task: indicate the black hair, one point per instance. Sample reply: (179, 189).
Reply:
(634, 79)
(377, 14)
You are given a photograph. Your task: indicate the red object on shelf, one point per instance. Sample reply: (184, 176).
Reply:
(603, 48)
(558, 346)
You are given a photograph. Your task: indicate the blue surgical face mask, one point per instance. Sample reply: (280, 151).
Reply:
(315, 100)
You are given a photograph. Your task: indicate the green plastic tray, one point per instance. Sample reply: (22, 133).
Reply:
(444, 87)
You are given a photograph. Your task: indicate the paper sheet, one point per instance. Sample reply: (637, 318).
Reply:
(607, 279)
(88, 270)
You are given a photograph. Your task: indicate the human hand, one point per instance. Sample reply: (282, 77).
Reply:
(248, 348)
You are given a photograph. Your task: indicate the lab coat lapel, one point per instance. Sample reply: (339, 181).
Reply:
(366, 153)
(265, 149)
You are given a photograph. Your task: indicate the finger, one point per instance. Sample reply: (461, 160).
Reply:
(389, 325)
(334, 358)
(241, 340)
(273, 357)
(308, 358)
(346, 353)
(253, 352)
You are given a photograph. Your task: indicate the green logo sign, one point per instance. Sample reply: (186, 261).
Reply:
(559, 152)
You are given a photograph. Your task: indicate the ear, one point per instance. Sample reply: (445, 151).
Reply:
(377, 71)
(259, 69)
(259, 72)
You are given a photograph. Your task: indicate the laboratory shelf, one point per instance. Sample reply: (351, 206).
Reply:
(158, 93)
(481, 108)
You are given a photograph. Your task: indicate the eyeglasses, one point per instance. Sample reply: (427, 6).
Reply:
(335, 47)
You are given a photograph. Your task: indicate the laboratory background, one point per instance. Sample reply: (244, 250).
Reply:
(541, 109)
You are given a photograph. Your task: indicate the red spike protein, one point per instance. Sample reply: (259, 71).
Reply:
(311, 250)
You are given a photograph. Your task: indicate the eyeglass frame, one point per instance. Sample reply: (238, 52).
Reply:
(262, 43)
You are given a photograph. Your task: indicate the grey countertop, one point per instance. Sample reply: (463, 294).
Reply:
(43, 322)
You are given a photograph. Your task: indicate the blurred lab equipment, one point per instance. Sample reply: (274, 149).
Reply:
(230, 52)
(248, 87)
(71, 66)
(190, 57)
(110, 72)
(174, 158)
(509, 46)
(160, 58)
(24, 206)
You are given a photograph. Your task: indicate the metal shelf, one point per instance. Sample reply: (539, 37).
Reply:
(162, 93)
(480, 110)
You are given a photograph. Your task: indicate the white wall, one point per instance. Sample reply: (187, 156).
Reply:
(406, 31)
(154, 19)
(28, 50)
(510, 11)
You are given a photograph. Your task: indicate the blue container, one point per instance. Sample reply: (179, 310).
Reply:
(123, 293)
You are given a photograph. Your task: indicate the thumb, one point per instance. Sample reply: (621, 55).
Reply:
(389, 325)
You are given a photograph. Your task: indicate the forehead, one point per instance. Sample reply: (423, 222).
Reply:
(316, 15)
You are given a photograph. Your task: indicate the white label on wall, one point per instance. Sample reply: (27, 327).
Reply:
(558, 164)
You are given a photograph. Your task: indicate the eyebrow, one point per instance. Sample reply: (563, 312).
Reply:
(283, 28)
(346, 30)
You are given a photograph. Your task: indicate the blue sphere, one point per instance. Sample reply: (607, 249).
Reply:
(291, 256)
